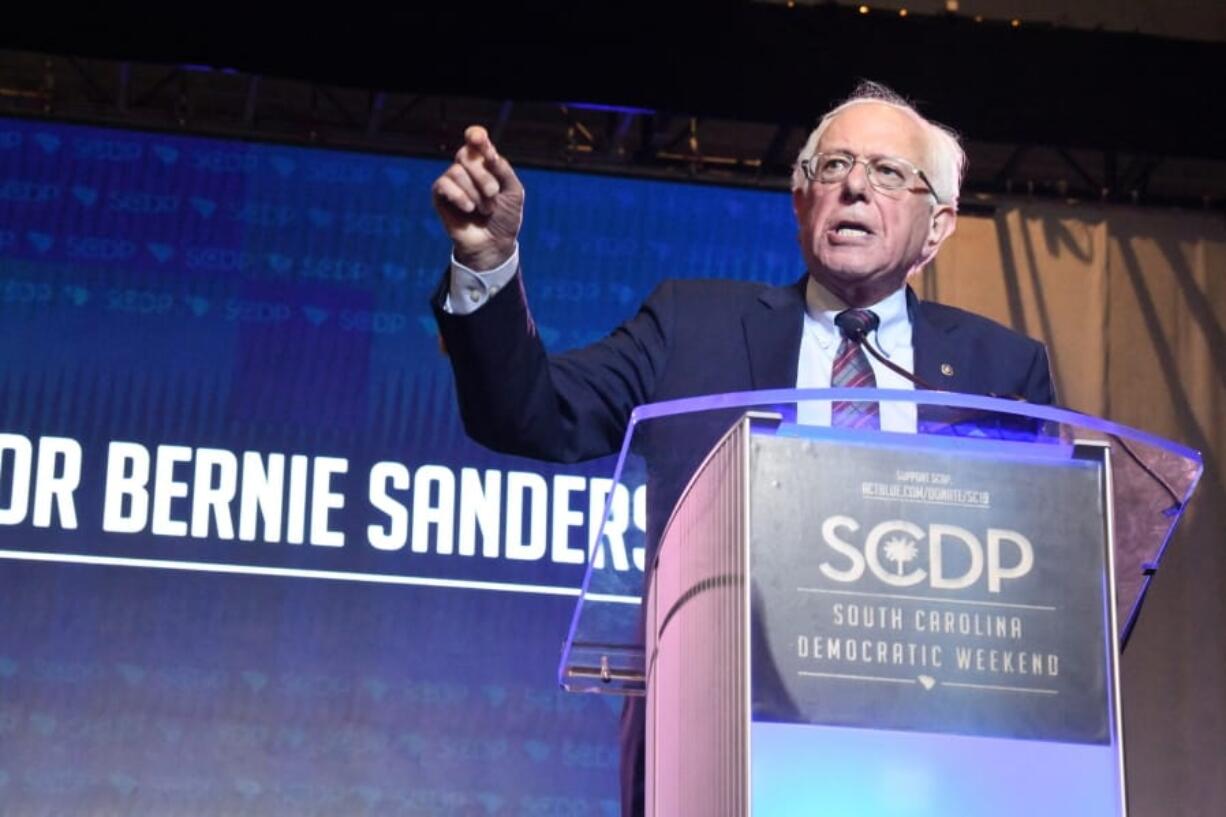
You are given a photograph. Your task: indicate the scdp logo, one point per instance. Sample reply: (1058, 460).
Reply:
(893, 551)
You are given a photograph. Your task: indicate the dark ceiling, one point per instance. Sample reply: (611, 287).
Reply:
(1032, 84)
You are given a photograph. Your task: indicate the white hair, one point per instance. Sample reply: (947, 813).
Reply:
(945, 161)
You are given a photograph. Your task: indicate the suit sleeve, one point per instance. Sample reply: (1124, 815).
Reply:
(517, 399)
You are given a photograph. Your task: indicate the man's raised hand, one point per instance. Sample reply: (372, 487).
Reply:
(480, 202)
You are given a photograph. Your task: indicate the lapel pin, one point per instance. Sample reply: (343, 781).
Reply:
(947, 370)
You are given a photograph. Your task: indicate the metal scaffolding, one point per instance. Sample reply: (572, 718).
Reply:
(603, 139)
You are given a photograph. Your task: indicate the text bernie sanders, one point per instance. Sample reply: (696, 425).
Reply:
(179, 491)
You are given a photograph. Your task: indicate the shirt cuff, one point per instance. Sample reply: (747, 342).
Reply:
(470, 289)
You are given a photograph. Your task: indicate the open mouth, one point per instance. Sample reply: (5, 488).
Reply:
(851, 229)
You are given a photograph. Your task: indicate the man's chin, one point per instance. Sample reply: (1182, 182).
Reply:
(846, 276)
(855, 286)
(848, 262)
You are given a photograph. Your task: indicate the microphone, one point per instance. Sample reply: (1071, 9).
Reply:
(856, 324)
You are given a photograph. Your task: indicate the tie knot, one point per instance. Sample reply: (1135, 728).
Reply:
(856, 323)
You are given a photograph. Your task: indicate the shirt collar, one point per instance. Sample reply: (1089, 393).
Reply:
(893, 331)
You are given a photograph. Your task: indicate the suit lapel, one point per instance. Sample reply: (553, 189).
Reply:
(774, 322)
(940, 360)
(773, 325)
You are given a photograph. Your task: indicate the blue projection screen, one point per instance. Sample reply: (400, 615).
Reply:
(249, 562)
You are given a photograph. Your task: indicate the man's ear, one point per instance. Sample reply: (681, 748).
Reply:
(940, 227)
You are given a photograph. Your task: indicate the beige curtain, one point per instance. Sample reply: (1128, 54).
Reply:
(1132, 306)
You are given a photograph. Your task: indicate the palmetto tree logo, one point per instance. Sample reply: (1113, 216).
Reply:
(900, 550)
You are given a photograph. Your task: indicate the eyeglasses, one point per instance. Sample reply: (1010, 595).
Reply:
(885, 173)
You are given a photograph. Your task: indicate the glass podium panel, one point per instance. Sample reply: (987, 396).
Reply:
(1148, 483)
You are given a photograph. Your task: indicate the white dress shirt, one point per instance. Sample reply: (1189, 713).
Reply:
(819, 342)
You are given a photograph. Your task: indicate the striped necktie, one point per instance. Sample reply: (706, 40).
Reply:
(852, 370)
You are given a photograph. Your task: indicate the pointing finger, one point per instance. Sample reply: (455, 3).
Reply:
(477, 170)
(490, 171)
(478, 138)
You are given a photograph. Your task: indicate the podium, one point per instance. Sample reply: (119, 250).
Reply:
(916, 622)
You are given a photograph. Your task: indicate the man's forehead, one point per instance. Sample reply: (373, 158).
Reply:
(875, 128)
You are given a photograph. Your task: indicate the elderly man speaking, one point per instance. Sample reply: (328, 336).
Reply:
(875, 192)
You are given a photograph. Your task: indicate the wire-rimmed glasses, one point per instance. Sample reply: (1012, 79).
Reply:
(888, 174)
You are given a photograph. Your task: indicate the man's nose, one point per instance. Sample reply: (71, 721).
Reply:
(855, 185)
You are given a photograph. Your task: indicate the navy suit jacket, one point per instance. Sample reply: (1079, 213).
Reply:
(691, 337)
